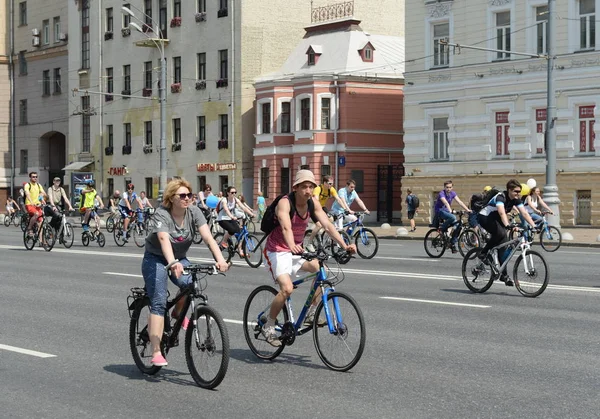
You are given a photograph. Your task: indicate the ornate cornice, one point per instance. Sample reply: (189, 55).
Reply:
(499, 2)
(441, 9)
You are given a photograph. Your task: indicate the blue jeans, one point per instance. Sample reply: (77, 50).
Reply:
(449, 220)
(473, 219)
(537, 219)
(155, 276)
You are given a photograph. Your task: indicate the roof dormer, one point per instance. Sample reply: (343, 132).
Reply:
(366, 52)
(314, 52)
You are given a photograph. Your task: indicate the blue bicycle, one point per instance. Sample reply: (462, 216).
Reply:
(367, 243)
(339, 344)
(251, 249)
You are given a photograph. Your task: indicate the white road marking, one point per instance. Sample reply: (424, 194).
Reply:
(409, 259)
(26, 351)
(233, 321)
(122, 274)
(416, 300)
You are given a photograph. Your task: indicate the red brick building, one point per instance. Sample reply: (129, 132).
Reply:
(335, 107)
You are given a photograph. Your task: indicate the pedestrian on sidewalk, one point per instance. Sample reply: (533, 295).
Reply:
(411, 208)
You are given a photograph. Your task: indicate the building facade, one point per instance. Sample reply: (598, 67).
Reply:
(479, 117)
(6, 164)
(335, 107)
(214, 50)
(41, 91)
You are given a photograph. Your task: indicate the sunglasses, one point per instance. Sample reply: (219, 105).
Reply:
(516, 190)
(33, 177)
(182, 196)
(233, 192)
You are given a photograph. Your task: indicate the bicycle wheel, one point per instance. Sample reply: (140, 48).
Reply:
(110, 224)
(48, 237)
(139, 235)
(366, 242)
(256, 310)
(531, 278)
(100, 239)
(227, 255)
(435, 243)
(467, 240)
(338, 253)
(341, 348)
(16, 220)
(207, 348)
(68, 235)
(251, 227)
(24, 221)
(29, 241)
(85, 238)
(6, 221)
(119, 236)
(253, 252)
(197, 238)
(477, 275)
(139, 340)
(550, 239)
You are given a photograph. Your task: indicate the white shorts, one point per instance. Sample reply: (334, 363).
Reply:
(279, 263)
(339, 223)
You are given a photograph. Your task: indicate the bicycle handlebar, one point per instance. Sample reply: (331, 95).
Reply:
(203, 269)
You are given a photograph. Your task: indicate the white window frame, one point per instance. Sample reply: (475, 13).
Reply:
(430, 114)
(533, 106)
(433, 139)
(46, 32)
(259, 115)
(591, 20)
(56, 23)
(575, 102)
(492, 34)
(429, 24)
(491, 110)
(332, 111)
(531, 19)
(280, 102)
(298, 111)
(446, 54)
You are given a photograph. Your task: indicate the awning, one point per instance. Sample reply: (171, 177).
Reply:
(77, 165)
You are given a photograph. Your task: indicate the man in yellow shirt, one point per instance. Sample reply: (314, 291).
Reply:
(34, 195)
(88, 202)
(324, 192)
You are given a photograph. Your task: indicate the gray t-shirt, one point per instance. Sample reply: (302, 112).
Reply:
(181, 237)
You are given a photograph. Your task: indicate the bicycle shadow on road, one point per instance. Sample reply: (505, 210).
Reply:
(246, 355)
(498, 291)
(164, 375)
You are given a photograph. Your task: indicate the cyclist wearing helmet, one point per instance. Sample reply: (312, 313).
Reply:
(127, 199)
(88, 202)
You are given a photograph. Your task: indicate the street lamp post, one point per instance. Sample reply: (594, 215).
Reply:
(162, 93)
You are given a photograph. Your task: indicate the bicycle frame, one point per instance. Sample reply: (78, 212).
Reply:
(520, 244)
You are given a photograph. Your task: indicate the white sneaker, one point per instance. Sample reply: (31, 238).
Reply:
(269, 333)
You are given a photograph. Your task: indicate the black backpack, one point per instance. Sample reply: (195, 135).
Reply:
(480, 201)
(269, 221)
(415, 201)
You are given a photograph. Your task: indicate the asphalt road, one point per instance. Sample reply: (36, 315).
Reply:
(434, 350)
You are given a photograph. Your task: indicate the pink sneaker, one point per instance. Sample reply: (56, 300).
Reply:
(185, 324)
(159, 361)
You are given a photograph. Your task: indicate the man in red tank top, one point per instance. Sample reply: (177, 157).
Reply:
(284, 245)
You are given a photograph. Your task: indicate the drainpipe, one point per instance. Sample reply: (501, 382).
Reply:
(11, 70)
(101, 119)
(232, 90)
(335, 131)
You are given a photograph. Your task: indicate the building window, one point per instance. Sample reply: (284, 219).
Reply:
(502, 139)
(223, 64)
(586, 129)
(440, 138)
(224, 129)
(266, 118)
(148, 133)
(46, 32)
(201, 61)
(540, 129)
(286, 125)
(305, 114)
(22, 63)
(176, 8)
(56, 24)
(46, 83)
(23, 13)
(24, 162)
(127, 79)
(176, 131)
(111, 186)
(85, 34)
(359, 177)
(127, 134)
(541, 18)
(587, 24)
(162, 18)
(201, 6)
(368, 54)
(109, 81)
(441, 52)
(325, 170)
(110, 136)
(312, 60)
(223, 184)
(57, 81)
(23, 112)
(325, 113)
(201, 120)
(85, 124)
(503, 35)
(126, 16)
(149, 187)
(148, 74)
(264, 181)
(284, 180)
(176, 69)
(222, 8)
(201, 182)
(148, 12)
(109, 19)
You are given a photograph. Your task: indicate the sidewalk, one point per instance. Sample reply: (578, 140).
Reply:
(585, 237)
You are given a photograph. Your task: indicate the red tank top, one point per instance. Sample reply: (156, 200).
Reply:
(276, 242)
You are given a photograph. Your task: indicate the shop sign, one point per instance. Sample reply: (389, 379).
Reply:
(117, 171)
(215, 167)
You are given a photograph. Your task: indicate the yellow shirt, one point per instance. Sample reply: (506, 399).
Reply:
(35, 190)
(324, 195)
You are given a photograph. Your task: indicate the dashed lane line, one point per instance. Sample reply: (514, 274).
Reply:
(26, 351)
(417, 300)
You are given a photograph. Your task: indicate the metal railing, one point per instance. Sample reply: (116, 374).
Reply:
(332, 12)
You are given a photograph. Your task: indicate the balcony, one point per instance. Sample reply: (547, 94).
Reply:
(126, 92)
(176, 147)
(125, 32)
(108, 98)
(108, 35)
(200, 84)
(126, 149)
(200, 145)
(222, 13)
(200, 17)
(147, 148)
(175, 22)
(108, 151)
(222, 83)
(222, 144)
(176, 88)
(147, 92)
